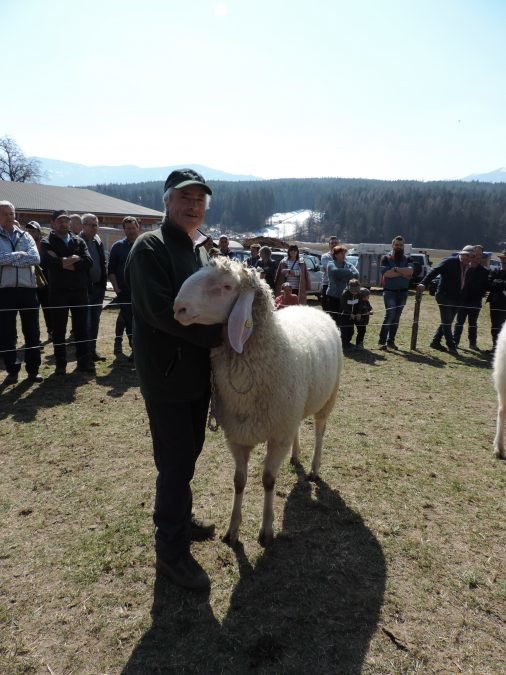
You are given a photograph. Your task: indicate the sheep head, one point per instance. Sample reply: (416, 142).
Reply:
(223, 292)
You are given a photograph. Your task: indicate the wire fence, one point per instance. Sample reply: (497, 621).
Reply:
(424, 323)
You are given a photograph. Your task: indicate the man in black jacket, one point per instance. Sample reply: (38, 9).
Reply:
(452, 273)
(173, 365)
(475, 289)
(97, 280)
(67, 260)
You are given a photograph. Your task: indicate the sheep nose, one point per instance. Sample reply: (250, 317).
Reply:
(179, 310)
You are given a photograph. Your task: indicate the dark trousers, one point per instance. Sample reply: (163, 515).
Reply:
(471, 314)
(497, 318)
(73, 300)
(178, 433)
(394, 302)
(124, 320)
(347, 325)
(447, 312)
(25, 300)
(96, 296)
(324, 297)
(43, 296)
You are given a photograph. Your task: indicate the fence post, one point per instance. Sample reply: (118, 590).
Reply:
(416, 317)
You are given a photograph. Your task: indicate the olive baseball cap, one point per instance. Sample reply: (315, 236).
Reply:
(183, 177)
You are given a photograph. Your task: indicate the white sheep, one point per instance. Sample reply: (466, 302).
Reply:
(500, 386)
(276, 368)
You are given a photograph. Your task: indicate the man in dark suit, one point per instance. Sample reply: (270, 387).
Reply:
(67, 260)
(452, 273)
(97, 280)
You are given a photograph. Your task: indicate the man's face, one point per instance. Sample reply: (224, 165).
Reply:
(187, 207)
(76, 225)
(7, 217)
(223, 244)
(131, 231)
(398, 246)
(62, 226)
(254, 251)
(332, 243)
(34, 232)
(90, 228)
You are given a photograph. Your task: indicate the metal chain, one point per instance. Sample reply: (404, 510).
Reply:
(212, 422)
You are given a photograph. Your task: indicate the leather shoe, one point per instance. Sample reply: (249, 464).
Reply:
(11, 378)
(185, 572)
(98, 357)
(438, 346)
(35, 377)
(201, 529)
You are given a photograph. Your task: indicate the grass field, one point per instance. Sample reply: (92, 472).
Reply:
(394, 562)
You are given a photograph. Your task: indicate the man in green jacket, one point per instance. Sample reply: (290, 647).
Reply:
(173, 365)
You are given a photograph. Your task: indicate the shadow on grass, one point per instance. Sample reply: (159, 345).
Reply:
(54, 391)
(120, 378)
(311, 604)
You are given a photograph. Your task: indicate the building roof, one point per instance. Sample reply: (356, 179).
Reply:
(35, 197)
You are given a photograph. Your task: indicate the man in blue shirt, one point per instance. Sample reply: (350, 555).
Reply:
(396, 271)
(117, 259)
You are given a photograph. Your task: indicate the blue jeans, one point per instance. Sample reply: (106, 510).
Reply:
(394, 304)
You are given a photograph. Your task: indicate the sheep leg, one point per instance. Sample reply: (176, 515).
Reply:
(273, 459)
(319, 430)
(241, 455)
(294, 459)
(499, 436)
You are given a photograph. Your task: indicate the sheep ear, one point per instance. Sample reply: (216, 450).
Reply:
(240, 321)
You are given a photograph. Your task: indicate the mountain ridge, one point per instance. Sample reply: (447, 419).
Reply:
(67, 174)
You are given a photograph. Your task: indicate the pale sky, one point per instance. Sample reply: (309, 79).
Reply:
(392, 89)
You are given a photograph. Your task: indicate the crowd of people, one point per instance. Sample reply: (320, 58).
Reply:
(66, 274)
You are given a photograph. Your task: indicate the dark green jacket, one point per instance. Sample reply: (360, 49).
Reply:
(172, 360)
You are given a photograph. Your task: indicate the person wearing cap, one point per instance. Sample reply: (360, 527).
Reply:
(97, 280)
(18, 293)
(452, 273)
(33, 228)
(356, 312)
(68, 262)
(396, 273)
(173, 365)
(475, 289)
(497, 298)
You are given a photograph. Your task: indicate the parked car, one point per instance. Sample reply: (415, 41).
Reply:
(422, 265)
(494, 264)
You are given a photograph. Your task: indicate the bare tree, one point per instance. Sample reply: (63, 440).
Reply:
(14, 166)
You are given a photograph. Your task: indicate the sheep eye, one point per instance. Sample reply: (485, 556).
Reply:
(227, 287)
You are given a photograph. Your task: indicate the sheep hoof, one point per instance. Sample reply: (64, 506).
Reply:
(265, 539)
(231, 539)
(499, 454)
